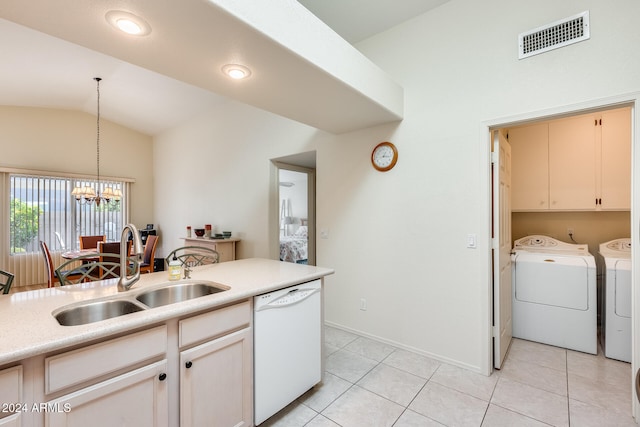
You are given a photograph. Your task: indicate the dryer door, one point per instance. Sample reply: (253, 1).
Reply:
(552, 280)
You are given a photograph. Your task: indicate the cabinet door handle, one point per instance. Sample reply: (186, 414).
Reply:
(188, 364)
(638, 385)
(162, 376)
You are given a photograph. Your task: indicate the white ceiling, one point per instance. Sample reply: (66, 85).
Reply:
(356, 20)
(56, 48)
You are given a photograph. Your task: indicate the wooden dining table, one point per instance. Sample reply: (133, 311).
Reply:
(76, 253)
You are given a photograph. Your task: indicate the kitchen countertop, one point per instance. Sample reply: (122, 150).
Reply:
(29, 328)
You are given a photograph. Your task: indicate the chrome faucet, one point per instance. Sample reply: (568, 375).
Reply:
(126, 282)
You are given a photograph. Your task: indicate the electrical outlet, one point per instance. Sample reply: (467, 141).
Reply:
(363, 304)
(570, 231)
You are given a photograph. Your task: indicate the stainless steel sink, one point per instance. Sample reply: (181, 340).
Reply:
(95, 312)
(179, 292)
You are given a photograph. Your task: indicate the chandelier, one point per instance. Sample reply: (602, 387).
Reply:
(88, 194)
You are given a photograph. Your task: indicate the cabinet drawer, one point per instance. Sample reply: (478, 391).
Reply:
(136, 398)
(84, 364)
(215, 323)
(10, 388)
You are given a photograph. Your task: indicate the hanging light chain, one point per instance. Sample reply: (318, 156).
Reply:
(97, 79)
(87, 193)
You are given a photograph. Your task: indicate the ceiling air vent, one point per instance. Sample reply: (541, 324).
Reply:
(558, 34)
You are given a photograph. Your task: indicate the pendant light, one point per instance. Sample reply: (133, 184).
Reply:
(88, 194)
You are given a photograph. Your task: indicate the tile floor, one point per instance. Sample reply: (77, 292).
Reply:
(368, 383)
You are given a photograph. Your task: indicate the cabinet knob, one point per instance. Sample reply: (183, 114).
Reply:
(162, 376)
(188, 364)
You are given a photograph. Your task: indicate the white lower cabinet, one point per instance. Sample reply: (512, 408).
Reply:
(11, 421)
(11, 397)
(216, 376)
(215, 382)
(136, 398)
(195, 371)
(122, 381)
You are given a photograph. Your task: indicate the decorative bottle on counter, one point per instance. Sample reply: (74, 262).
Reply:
(188, 231)
(175, 269)
(207, 230)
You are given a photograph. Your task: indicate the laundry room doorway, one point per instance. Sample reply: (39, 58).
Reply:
(501, 234)
(496, 308)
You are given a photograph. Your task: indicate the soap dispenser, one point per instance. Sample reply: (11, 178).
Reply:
(175, 269)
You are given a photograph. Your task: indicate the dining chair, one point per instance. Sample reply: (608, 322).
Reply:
(8, 280)
(108, 267)
(110, 264)
(192, 256)
(52, 275)
(91, 242)
(146, 266)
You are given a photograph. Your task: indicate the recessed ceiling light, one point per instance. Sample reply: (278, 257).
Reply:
(128, 22)
(236, 71)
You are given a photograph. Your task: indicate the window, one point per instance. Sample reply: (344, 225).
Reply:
(42, 208)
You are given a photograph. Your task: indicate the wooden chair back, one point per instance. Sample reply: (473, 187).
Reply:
(52, 273)
(91, 242)
(110, 263)
(149, 254)
(51, 279)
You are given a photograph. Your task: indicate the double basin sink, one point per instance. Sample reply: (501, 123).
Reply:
(106, 309)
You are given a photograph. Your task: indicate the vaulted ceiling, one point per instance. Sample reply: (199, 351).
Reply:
(301, 69)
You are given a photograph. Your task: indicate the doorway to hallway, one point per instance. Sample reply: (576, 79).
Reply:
(293, 222)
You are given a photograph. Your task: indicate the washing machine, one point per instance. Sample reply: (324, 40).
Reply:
(554, 297)
(615, 333)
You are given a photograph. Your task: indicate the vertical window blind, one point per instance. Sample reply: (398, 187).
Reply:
(42, 208)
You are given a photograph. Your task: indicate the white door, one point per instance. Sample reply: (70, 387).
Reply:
(502, 326)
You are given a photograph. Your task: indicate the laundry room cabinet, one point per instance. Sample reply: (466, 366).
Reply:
(530, 167)
(580, 163)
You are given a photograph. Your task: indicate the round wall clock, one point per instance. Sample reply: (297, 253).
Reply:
(384, 156)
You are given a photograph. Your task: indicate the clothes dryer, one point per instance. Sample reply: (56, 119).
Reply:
(554, 297)
(615, 260)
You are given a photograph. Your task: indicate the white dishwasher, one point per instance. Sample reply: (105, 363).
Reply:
(287, 346)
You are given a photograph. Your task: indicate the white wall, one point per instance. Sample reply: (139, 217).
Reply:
(459, 67)
(216, 170)
(398, 239)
